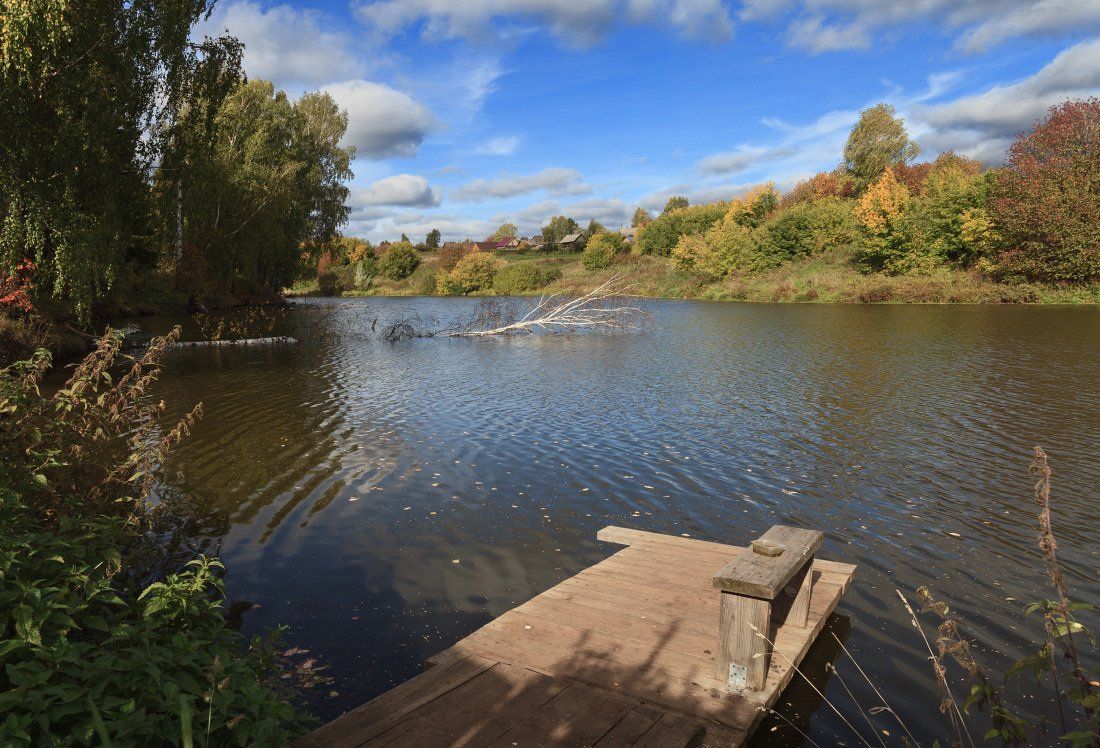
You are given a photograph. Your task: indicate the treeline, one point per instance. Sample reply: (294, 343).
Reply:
(1035, 219)
(136, 160)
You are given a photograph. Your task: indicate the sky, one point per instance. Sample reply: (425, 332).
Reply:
(469, 113)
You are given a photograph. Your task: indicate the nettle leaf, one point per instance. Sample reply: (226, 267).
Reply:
(27, 626)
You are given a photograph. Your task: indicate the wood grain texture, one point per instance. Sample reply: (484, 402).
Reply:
(743, 622)
(763, 576)
(624, 653)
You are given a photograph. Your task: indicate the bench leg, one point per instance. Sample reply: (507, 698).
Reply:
(743, 654)
(799, 613)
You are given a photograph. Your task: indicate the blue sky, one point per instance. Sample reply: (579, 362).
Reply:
(469, 113)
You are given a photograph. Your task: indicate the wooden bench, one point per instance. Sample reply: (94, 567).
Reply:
(752, 606)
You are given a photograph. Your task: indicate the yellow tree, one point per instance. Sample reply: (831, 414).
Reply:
(883, 211)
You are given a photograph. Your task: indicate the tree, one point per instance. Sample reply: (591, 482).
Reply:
(88, 94)
(641, 217)
(272, 184)
(504, 231)
(400, 261)
(884, 213)
(601, 250)
(876, 143)
(1047, 201)
(405, 238)
(952, 194)
(675, 203)
(431, 241)
(559, 227)
(594, 227)
(474, 272)
(660, 235)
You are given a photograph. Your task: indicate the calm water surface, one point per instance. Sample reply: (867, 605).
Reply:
(385, 500)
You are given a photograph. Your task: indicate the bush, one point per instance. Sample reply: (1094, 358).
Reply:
(660, 235)
(449, 256)
(107, 632)
(951, 194)
(887, 245)
(601, 250)
(523, 277)
(734, 243)
(810, 228)
(329, 282)
(1047, 201)
(474, 272)
(400, 261)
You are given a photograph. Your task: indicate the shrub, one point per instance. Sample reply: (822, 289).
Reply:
(523, 277)
(810, 228)
(449, 256)
(733, 243)
(474, 272)
(400, 261)
(1047, 201)
(329, 282)
(950, 191)
(601, 250)
(887, 244)
(107, 632)
(660, 235)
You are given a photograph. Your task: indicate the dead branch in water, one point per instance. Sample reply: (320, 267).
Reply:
(606, 308)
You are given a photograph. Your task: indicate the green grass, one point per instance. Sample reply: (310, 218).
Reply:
(828, 278)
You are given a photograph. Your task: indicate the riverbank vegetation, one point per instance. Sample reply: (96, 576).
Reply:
(878, 228)
(103, 586)
(179, 184)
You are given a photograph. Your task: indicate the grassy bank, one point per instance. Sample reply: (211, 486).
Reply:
(827, 278)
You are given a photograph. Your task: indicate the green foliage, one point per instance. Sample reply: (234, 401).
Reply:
(271, 183)
(950, 196)
(660, 235)
(474, 272)
(523, 277)
(400, 261)
(810, 228)
(89, 95)
(1046, 202)
(558, 227)
(431, 241)
(877, 142)
(885, 212)
(601, 250)
(676, 202)
(640, 218)
(504, 231)
(106, 629)
(594, 227)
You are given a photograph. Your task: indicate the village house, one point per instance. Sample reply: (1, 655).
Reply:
(572, 242)
(629, 234)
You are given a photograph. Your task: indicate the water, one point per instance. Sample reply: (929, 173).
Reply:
(385, 500)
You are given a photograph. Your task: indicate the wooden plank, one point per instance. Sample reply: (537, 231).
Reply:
(742, 652)
(672, 731)
(763, 576)
(376, 716)
(799, 612)
(634, 724)
(629, 536)
(477, 712)
(578, 716)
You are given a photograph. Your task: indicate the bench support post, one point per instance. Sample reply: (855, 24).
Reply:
(743, 653)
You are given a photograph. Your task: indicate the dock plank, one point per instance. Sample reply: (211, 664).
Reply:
(624, 653)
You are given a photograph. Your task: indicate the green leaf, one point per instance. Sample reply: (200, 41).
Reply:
(26, 627)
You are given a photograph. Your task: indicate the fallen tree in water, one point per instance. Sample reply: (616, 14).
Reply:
(607, 308)
(238, 341)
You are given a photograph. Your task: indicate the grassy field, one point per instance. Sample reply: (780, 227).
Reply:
(822, 279)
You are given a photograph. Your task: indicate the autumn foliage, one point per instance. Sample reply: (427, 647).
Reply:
(15, 287)
(1047, 202)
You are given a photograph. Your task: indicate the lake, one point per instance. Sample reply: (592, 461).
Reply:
(385, 500)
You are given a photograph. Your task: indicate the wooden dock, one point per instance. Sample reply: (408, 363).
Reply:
(662, 644)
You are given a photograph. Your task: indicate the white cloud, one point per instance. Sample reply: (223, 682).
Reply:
(555, 181)
(611, 212)
(828, 25)
(576, 22)
(741, 159)
(284, 44)
(503, 145)
(406, 190)
(982, 125)
(382, 121)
